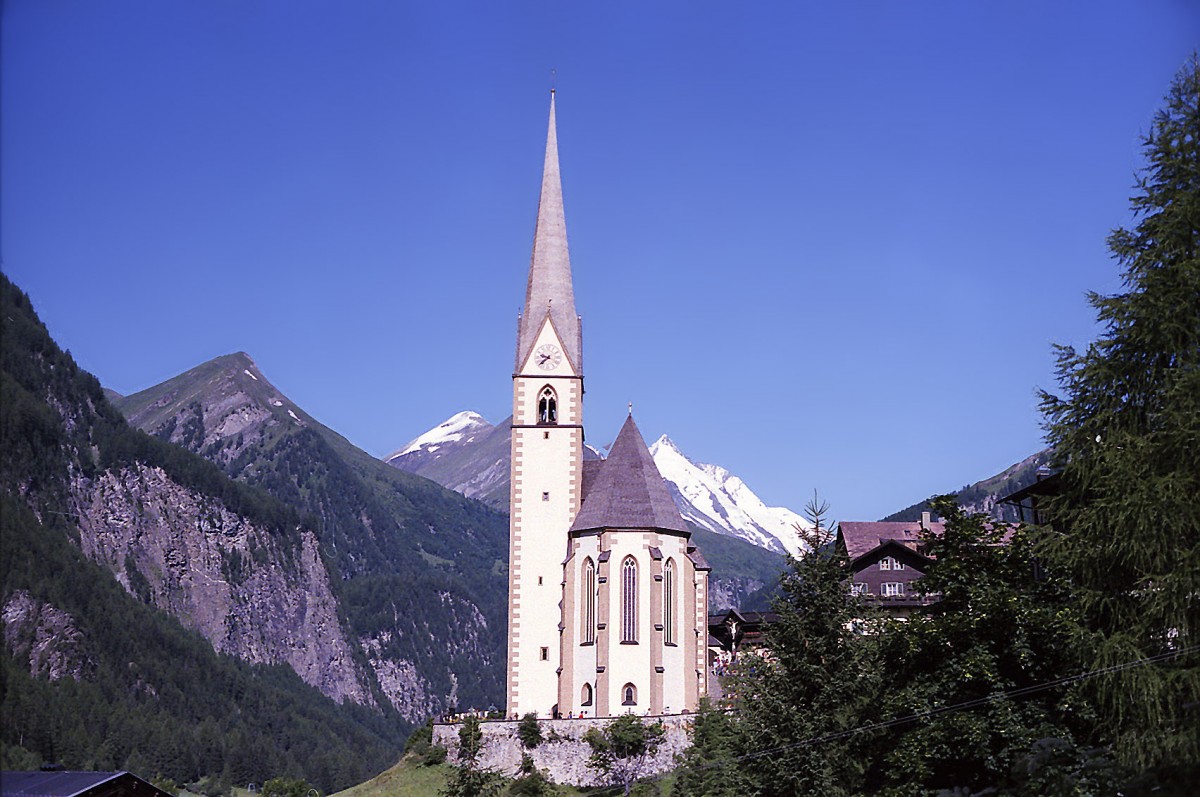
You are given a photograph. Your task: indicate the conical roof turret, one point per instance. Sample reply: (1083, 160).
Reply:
(628, 492)
(549, 290)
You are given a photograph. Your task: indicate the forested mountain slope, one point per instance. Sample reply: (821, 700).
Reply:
(125, 562)
(983, 496)
(420, 572)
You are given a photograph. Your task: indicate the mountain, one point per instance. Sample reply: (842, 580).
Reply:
(713, 498)
(466, 454)
(157, 615)
(420, 572)
(982, 496)
(469, 455)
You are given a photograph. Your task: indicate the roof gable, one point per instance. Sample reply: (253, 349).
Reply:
(896, 549)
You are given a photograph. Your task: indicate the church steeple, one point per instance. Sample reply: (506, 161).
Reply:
(549, 290)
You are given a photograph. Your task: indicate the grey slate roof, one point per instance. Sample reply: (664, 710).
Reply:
(628, 492)
(549, 289)
(73, 784)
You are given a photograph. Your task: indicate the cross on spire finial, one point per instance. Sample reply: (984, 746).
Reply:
(553, 79)
(631, 408)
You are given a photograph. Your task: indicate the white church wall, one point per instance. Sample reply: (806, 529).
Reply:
(545, 497)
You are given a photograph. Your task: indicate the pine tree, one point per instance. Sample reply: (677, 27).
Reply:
(819, 680)
(1126, 432)
(469, 779)
(711, 765)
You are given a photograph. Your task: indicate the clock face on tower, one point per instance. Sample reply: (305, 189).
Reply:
(548, 357)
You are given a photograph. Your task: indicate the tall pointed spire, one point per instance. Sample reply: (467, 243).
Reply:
(549, 290)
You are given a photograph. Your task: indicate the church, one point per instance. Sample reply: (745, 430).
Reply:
(607, 594)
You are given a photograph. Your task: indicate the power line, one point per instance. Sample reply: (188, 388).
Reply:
(963, 706)
(970, 704)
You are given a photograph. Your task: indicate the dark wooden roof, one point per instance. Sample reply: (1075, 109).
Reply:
(76, 784)
(1050, 485)
(627, 491)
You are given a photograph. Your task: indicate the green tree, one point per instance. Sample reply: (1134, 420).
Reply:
(531, 782)
(1126, 433)
(710, 766)
(529, 731)
(996, 629)
(469, 779)
(288, 787)
(623, 749)
(820, 678)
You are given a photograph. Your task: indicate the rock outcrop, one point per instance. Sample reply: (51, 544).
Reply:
(254, 594)
(46, 637)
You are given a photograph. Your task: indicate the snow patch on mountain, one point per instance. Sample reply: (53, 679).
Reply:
(460, 427)
(715, 499)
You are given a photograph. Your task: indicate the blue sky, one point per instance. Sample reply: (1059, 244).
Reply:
(823, 245)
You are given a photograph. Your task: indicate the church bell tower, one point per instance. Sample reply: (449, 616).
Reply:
(547, 454)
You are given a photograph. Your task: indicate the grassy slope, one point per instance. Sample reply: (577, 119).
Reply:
(405, 779)
(410, 779)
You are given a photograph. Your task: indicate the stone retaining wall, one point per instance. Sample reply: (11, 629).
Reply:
(563, 753)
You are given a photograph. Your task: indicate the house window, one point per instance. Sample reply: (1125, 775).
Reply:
(589, 602)
(585, 695)
(890, 563)
(629, 694)
(858, 588)
(892, 588)
(545, 654)
(548, 406)
(545, 496)
(669, 602)
(629, 596)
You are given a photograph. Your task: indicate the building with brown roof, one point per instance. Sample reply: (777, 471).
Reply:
(886, 558)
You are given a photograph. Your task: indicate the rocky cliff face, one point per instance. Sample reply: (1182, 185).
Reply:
(418, 570)
(46, 637)
(251, 594)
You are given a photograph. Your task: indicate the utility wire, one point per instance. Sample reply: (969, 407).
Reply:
(964, 706)
(970, 704)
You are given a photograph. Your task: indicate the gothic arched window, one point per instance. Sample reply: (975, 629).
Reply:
(629, 600)
(585, 695)
(669, 602)
(548, 406)
(589, 602)
(629, 695)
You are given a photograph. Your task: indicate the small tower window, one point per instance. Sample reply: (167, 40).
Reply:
(548, 406)
(585, 695)
(629, 695)
(545, 654)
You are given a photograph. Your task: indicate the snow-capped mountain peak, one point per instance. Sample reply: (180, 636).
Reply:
(459, 427)
(713, 498)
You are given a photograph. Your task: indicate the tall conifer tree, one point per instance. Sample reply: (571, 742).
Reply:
(1126, 431)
